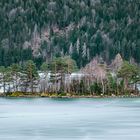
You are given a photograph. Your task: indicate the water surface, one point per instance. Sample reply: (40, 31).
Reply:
(69, 119)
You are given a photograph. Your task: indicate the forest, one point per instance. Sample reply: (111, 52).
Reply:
(41, 30)
(61, 77)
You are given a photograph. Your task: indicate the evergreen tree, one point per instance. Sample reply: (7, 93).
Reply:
(31, 74)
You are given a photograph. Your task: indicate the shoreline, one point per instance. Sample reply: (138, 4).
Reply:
(72, 97)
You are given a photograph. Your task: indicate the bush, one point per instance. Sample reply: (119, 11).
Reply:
(17, 94)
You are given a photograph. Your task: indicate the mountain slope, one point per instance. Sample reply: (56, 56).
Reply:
(42, 29)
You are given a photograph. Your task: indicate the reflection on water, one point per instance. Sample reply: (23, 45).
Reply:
(69, 119)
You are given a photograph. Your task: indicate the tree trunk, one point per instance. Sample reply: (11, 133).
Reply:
(32, 86)
(126, 84)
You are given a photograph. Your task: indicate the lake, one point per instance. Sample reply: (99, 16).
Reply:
(69, 119)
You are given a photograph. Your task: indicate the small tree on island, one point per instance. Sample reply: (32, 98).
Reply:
(15, 71)
(128, 73)
(60, 67)
(3, 77)
(30, 71)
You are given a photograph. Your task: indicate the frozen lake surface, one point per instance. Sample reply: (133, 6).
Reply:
(69, 119)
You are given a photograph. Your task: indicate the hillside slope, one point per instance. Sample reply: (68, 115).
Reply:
(42, 29)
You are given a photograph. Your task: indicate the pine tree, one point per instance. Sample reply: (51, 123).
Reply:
(31, 75)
